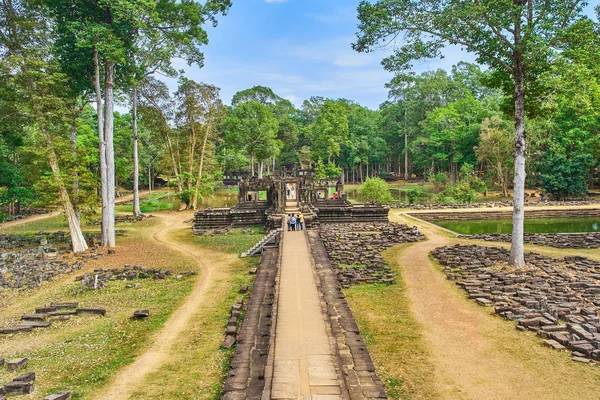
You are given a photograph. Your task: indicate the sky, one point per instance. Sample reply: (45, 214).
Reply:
(298, 48)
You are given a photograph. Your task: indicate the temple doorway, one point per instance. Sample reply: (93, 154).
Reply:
(290, 191)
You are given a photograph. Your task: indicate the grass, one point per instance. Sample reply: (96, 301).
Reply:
(235, 243)
(85, 352)
(393, 336)
(197, 367)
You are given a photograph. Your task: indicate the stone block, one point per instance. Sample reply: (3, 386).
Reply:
(26, 377)
(34, 317)
(95, 311)
(228, 342)
(17, 364)
(16, 387)
(58, 396)
(64, 305)
(141, 314)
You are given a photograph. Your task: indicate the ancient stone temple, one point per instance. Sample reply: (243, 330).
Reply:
(265, 202)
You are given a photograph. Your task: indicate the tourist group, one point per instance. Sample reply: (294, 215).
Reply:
(295, 222)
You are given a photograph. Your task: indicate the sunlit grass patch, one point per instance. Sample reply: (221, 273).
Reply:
(393, 336)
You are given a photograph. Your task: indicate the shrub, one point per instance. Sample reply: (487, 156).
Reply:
(375, 190)
(413, 195)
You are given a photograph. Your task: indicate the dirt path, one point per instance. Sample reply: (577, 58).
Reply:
(476, 355)
(33, 218)
(124, 384)
(39, 217)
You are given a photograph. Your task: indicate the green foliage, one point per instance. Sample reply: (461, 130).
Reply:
(331, 171)
(330, 129)
(565, 176)
(320, 172)
(375, 190)
(413, 195)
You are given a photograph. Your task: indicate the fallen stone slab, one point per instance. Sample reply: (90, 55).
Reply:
(581, 359)
(62, 313)
(1, 362)
(14, 329)
(45, 310)
(26, 377)
(96, 311)
(252, 271)
(141, 314)
(554, 344)
(64, 305)
(228, 342)
(18, 388)
(243, 289)
(34, 324)
(34, 317)
(17, 364)
(58, 396)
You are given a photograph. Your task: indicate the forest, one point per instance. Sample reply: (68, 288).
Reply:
(64, 69)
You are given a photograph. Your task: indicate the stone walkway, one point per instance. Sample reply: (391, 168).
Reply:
(304, 362)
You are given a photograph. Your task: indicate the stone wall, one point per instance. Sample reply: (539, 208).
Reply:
(355, 250)
(557, 298)
(559, 240)
(246, 379)
(360, 378)
(463, 216)
(492, 204)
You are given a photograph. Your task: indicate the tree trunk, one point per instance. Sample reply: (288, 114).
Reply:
(101, 149)
(199, 181)
(517, 256)
(110, 240)
(150, 179)
(136, 165)
(75, 163)
(260, 169)
(252, 163)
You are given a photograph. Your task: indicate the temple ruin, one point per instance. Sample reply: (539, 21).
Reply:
(265, 202)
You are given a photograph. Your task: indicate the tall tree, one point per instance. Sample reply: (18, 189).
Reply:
(513, 37)
(27, 64)
(330, 129)
(253, 127)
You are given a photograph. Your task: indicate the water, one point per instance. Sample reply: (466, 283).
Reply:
(538, 225)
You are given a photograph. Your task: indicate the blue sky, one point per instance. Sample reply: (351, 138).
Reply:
(299, 48)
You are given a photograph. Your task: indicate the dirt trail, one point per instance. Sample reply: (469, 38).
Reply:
(128, 379)
(27, 220)
(38, 217)
(476, 355)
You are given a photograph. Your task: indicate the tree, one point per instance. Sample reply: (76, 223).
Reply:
(201, 112)
(495, 148)
(253, 127)
(330, 129)
(513, 37)
(28, 67)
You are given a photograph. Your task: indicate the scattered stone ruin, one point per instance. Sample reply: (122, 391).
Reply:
(355, 250)
(558, 240)
(557, 298)
(264, 202)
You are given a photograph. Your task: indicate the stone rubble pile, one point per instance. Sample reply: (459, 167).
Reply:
(98, 279)
(31, 267)
(559, 240)
(355, 250)
(27, 213)
(557, 298)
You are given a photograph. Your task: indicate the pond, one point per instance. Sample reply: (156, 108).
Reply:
(538, 225)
